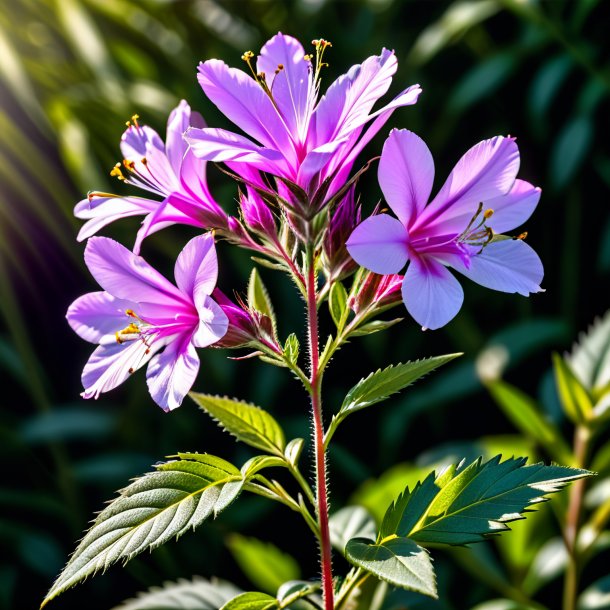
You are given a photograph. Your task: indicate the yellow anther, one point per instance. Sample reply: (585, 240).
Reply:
(116, 171)
(308, 57)
(135, 118)
(521, 236)
(144, 161)
(247, 56)
(128, 123)
(487, 214)
(128, 164)
(131, 313)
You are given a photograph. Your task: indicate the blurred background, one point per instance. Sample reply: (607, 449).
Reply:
(73, 71)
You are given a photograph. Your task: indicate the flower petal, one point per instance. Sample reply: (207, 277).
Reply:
(111, 364)
(406, 174)
(178, 122)
(513, 209)
(128, 276)
(172, 373)
(196, 269)
(509, 265)
(431, 294)
(379, 244)
(243, 101)
(213, 321)
(292, 84)
(486, 171)
(101, 211)
(97, 316)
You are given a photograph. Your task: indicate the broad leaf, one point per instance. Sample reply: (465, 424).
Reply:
(590, 358)
(374, 327)
(574, 397)
(399, 561)
(351, 522)
(337, 305)
(525, 415)
(248, 423)
(258, 297)
(383, 383)
(263, 563)
(465, 504)
(195, 594)
(163, 504)
(252, 601)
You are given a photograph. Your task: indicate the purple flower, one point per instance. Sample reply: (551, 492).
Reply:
(295, 136)
(168, 170)
(458, 229)
(140, 313)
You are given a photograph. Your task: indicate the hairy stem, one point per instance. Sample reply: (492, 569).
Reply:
(577, 490)
(319, 449)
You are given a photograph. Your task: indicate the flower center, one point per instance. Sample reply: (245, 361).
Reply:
(477, 233)
(134, 331)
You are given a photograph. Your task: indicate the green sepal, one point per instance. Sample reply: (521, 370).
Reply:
(258, 297)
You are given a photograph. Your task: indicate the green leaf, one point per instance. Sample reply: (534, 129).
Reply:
(195, 594)
(179, 495)
(263, 563)
(399, 561)
(291, 594)
(383, 383)
(291, 348)
(574, 397)
(252, 601)
(466, 504)
(247, 422)
(293, 450)
(524, 413)
(590, 358)
(596, 596)
(374, 327)
(260, 462)
(337, 304)
(351, 522)
(258, 297)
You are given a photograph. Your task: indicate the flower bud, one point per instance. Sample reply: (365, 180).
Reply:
(256, 213)
(376, 291)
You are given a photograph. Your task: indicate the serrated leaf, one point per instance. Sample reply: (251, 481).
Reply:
(177, 496)
(351, 522)
(399, 561)
(374, 327)
(291, 348)
(258, 297)
(247, 422)
(195, 594)
(383, 383)
(466, 504)
(590, 357)
(337, 305)
(266, 566)
(252, 601)
(574, 397)
(526, 416)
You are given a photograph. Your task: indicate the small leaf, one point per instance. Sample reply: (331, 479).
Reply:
(252, 601)
(337, 304)
(525, 415)
(374, 327)
(248, 423)
(575, 399)
(383, 383)
(258, 297)
(398, 561)
(260, 462)
(163, 504)
(351, 522)
(465, 504)
(596, 596)
(293, 450)
(291, 594)
(198, 593)
(263, 563)
(291, 348)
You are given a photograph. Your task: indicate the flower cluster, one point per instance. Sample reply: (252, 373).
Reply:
(293, 162)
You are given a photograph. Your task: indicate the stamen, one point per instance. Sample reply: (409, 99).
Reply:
(128, 164)
(487, 214)
(135, 118)
(521, 236)
(116, 171)
(92, 194)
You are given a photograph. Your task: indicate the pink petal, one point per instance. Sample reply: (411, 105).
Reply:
(196, 269)
(97, 316)
(292, 86)
(177, 123)
(431, 294)
(486, 171)
(509, 265)
(213, 321)
(128, 276)
(379, 244)
(244, 102)
(513, 209)
(172, 373)
(406, 174)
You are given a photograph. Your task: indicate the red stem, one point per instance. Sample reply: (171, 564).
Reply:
(320, 456)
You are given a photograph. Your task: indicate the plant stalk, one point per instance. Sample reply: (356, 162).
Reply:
(318, 434)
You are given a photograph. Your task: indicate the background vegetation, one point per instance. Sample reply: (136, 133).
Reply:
(72, 72)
